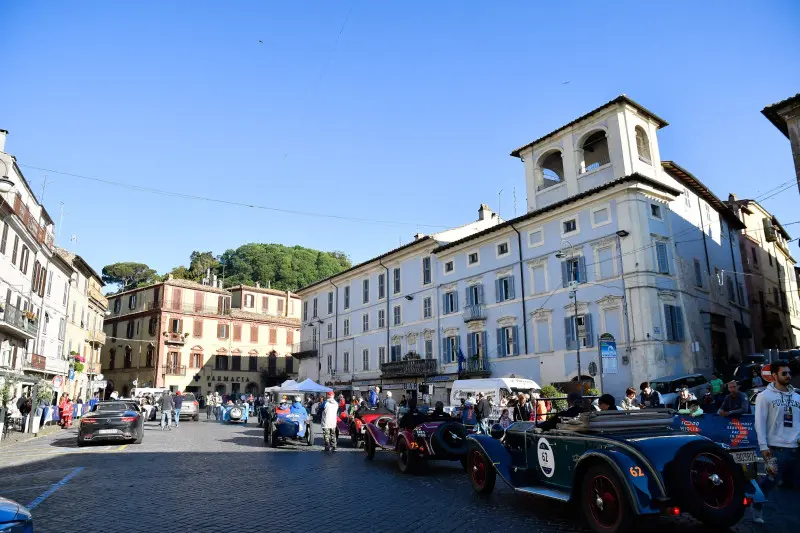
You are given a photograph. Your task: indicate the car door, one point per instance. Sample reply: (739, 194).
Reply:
(555, 459)
(698, 386)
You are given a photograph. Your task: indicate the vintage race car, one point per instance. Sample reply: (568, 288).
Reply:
(234, 413)
(417, 438)
(290, 424)
(616, 465)
(355, 426)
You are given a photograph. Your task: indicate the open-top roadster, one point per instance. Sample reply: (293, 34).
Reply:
(616, 465)
(355, 426)
(290, 423)
(417, 438)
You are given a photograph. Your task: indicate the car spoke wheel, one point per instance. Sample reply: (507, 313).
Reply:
(481, 471)
(712, 480)
(604, 503)
(405, 458)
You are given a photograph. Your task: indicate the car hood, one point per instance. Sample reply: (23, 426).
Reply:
(12, 512)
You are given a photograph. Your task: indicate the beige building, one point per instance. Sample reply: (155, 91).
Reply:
(194, 337)
(785, 116)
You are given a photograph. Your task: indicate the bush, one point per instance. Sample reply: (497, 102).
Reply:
(593, 392)
(550, 391)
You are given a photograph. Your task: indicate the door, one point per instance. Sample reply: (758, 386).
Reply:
(555, 458)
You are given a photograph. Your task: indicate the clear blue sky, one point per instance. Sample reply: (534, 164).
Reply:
(410, 117)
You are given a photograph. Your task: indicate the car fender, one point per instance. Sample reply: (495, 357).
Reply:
(380, 438)
(404, 434)
(497, 454)
(635, 477)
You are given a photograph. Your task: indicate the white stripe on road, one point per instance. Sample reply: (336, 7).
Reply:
(54, 487)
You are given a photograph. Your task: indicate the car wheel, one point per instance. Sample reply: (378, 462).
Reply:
(709, 484)
(81, 442)
(603, 501)
(309, 436)
(138, 440)
(196, 418)
(481, 471)
(407, 461)
(369, 446)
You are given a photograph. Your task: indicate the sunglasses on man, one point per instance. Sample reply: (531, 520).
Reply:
(785, 373)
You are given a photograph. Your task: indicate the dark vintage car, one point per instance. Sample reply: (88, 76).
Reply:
(417, 438)
(355, 426)
(616, 465)
(112, 420)
(289, 424)
(14, 518)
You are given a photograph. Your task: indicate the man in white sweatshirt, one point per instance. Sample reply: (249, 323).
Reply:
(330, 413)
(777, 424)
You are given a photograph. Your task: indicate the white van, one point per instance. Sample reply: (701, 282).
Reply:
(495, 389)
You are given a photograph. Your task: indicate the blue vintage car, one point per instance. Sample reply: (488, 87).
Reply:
(291, 423)
(616, 465)
(14, 517)
(234, 413)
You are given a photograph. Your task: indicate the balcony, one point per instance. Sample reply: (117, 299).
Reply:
(14, 322)
(93, 368)
(189, 308)
(36, 362)
(474, 312)
(305, 349)
(409, 368)
(96, 295)
(96, 337)
(175, 370)
(38, 231)
(175, 338)
(475, 367)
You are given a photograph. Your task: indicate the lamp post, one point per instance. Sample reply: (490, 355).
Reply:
(573, 293)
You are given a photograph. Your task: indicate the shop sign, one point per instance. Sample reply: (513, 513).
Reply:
(438, 379)
(232, 379)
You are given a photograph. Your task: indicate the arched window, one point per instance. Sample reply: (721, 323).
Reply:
(150, 353)
(643, 145)
(112, 358)
(128, 357)
(595, 152)
(552, 168)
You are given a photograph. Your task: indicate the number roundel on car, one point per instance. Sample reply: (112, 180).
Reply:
(547, 461)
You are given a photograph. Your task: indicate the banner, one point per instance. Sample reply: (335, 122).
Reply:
(734, 431)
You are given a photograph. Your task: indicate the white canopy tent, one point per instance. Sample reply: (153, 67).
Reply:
(307, 387)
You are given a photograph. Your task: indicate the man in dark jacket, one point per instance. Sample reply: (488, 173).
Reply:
(389, 404)
(483, 410)
(166, 405)
(650, 398)
(735, 403)
(177, 401)
(576, 407)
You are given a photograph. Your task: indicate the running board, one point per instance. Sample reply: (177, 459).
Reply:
(545, 492)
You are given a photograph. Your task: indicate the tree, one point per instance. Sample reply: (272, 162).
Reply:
(200, 263)
(128, 275)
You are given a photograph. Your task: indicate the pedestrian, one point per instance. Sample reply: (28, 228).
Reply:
(505, 420)
(178, 403)
(374, 396)
(209, 405)
(403, 401)
(755, 380)
(716, 388)
(538, 406)
(217, 404)
(166, 405)
(777, 424)
(469, 411)
(330, 413)
(630, 402)
(576, 407)
(388, 403)
(649, 398)
(342, 403)
(735, 403)
(607, 402)
(684, 397)
(24, 406)
(482, 412)
(95, 399)
(521, 411)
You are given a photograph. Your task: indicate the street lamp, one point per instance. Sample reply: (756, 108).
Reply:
(573, 293)
(5, 182)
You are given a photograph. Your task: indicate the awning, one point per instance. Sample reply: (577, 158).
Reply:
(742, 331)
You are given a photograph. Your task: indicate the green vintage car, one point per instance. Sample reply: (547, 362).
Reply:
(616, 465)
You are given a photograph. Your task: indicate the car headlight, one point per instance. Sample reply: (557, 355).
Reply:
(420, 433)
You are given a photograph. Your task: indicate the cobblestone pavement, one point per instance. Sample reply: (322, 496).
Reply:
(205, 476)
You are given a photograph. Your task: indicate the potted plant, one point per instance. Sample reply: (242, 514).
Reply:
(30, 316)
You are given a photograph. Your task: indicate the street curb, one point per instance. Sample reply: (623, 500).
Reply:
(43, 432)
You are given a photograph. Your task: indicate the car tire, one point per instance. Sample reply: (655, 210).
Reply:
(369, 446)
(719, 503)
(196, 418)
(407, 461)
(450, 438)
(81, 442)
(309, 435)
(603, 500)
(138, 440)
(481, 471)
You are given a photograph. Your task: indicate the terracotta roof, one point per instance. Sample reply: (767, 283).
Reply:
(771, 112)
(618, 100)
(688, 179)
(186, 284)
(632, 178)
(258, 317)
(262, 290)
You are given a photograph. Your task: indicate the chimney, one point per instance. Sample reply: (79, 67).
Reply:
(170, 277)
(258, 284)
(214, 280)
(3, 134)
(732, 197)
(418, 236)
(484, 212)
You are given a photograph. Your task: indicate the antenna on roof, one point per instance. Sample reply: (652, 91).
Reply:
(499, 195)
(515, 201)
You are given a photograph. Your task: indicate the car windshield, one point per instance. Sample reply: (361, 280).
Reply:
(113, 406)
(663, 387)
(189, 397)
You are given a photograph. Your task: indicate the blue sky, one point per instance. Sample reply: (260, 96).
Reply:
(409, 115)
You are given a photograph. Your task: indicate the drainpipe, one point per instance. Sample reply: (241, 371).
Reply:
(625, 299)
(522, 287)
(388, 318)
(735, 274)
(335, 327)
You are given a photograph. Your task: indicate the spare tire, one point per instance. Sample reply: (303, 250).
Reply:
(450, 438)
(708, 484)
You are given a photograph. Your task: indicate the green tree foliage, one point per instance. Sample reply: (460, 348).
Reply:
(128, 275)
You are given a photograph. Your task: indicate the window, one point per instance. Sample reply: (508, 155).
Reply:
(265, 304)
(113, 329)
(504, 288)
(428, 348)
(290, 336)
(450, 302)
(365, 291)
(698, 274)
(14, 250)
(674, 322)
(330, 331)
(426, 270)
(305, 311)
(655, 211)
(502, 249)
(601, 216)
(23, 259)
(662, 258)
(236, 362)
(381, 286)
(686, 197)
(396, 315)
(149, 358)
(314, 308)
(346, 362)
(197, 327)
(475, 294)
(448, 267)
(381, 318)
(176, 325)
(273, 335)
(280, 306)
(221, 362)
(612, 318)
(252, 364)
(755, 256)
(451, 345)
(539, 279)
(49, 284)
(112, 358)
(365, 322)
(507, 341)
(237, 332)
(395, 352)
(396, 281)
(4, 239)
(330, 364)
(605, 262)
(427, 310)
(365, 359)
(194, 360)
(536, 237)
(254, 334)
(381, 355)
(542, 329)
(731, 289)
(472, 259)
(740, 290)
(346, 327)
(129, 329)
(595, 152)
(642, 145)
(330, 303)
(569, 226)
(347, 297)
(222, 330)
(476, 344)
(552, 170)
(127, 362)
(249, 300)
(573, 270)
(578, 329)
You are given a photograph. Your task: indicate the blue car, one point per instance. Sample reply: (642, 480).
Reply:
(234, 413)
(616, 465)
(14, 518)
(290, 423)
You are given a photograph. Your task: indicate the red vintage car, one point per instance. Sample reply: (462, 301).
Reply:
(355, 426)
(417, 438)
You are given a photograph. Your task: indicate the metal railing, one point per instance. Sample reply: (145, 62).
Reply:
(15, 317)
(411, 367)
(474, 312)
(190, 307)
(174, 370)
(175, 338)
(475, 365)
(595, 165)
(39, 362)
(305, 348)
(96, 336)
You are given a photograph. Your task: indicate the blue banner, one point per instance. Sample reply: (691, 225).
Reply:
(736, 432)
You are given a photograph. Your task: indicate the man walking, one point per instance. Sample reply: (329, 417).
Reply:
(166, 405)
(330, 413)
(482, 412)
(178, 402)
(777, 424)
(389, 404)
(374, 396)
(209, 405)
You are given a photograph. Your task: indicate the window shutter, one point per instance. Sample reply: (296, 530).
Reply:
(253, 333)
(497, 291)
(444, 350)
(564, 274)
(470, 345)
(516, 340)
(198, 328)
(469, 296)
(569, 332)
(483, 344)
(501, 352)
(445, 309)
(219, 331)
(180, 326)
(480, 294)
(661, 252)
(511, 288)
(587, 320)
(198, 301)
(458, 346)
(455, 301)
(678, 324)
(582, 277)
(668, 320)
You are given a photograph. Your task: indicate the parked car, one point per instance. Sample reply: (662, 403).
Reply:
(14, 518)
(744, 374)
(190, 409)
(355, 427)
(669, 386)
(112, 420)
(616, 465)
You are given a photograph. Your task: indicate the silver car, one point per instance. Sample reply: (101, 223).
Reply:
(190, 407)
(669, 386)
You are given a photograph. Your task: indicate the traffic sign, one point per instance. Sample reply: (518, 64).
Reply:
(766, 374)
(58, 381)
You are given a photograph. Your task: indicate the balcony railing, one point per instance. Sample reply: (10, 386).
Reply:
(97, 295)
(12, 316)
(175, 338)
(474, 312)
(409, 368)
(595, 165)
(36, 361)
(189, 307)
(93, 368)
(96, 337)
(174, 370)
(305, 349)
(38, 231)
(475, 366)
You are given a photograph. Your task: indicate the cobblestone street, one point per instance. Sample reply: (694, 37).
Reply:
(204, 476)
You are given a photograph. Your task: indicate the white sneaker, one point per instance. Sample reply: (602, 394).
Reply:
(758, 516)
